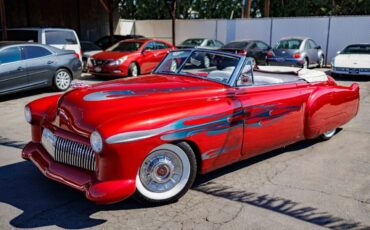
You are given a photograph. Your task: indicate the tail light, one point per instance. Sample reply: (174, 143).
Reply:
(297, 55)
(242, 52)
(270, 54)
(77, 55)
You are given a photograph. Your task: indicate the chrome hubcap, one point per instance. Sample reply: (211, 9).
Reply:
(161, 171)
(173, 66)
(206, 62)
(63, 80)
(134, 71)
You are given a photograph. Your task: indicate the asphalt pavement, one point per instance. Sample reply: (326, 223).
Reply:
(308, 185)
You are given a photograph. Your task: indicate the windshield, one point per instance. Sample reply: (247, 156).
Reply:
(88, 46)
(357, 49)
(192, 42)
(125, 46)
(238, 45)
(202, 64)
(292, 44)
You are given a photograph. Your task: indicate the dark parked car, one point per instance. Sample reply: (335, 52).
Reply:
(28, 65)
(205, 43)
(107, 41)
(88, 49)
(251, 48)
(296, 51)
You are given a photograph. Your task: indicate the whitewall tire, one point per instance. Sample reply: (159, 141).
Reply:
(166, 174)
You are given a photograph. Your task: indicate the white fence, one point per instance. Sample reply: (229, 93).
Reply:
(331, 33)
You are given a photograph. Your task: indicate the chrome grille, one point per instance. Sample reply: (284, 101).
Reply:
(98, 62)
(75, 154)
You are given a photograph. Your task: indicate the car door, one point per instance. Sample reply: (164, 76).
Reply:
(161, 50)
(13, 70)
(310, 52)
(314, 50)
(273, 114)
(148, 59)
(261, 52)
(40, 64)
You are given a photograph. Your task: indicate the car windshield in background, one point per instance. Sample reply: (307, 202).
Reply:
(23, 35)
(60, 37)
(125, 46)
(193, 42)
(87, 46)
(220, 67)
(291, 44)
(238, 45)
(357, 49)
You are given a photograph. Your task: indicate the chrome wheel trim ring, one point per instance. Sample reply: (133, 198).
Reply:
(162, 186)
(134, 70)
(329, 133)
(207, 62)
(63, 80)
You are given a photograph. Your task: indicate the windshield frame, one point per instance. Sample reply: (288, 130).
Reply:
(234, 76)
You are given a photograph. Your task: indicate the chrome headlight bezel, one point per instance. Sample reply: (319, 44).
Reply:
(96, 142)
(27, 114)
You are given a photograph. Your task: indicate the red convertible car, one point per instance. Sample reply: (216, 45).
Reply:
(151, 136)
(129, 58)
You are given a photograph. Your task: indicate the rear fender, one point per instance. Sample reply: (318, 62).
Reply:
(330, 107)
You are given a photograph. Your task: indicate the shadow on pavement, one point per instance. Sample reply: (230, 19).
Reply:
(28, 93)
(47, 203)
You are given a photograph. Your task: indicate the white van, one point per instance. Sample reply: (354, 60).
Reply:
(66, 39)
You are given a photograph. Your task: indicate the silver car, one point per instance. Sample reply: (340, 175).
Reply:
(296, 51)
(205, 43)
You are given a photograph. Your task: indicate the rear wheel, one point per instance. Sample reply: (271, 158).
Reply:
(62, 80)
(133, 70)
(166, 174)
(329, 134)
(321, 62)
(305, 64)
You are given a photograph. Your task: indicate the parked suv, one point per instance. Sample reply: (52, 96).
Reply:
(296, 51)
(65, 39)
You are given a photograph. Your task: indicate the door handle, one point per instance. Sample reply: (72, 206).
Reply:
(20, 68)
(50, 62)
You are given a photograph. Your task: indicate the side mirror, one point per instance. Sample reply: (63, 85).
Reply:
(318, 47)
(145, 50)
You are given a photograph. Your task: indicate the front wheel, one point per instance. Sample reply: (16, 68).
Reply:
(62, 80)
(166, 174)
(305, 64)
(133, 70)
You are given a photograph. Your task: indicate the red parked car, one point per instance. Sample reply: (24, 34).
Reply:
(152, 135)
(129, 58)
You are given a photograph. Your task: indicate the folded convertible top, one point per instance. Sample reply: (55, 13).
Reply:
(306, 74)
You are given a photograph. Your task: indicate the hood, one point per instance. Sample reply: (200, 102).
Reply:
(91, 53)
(83, 110)
(111, 55)
(352, 60)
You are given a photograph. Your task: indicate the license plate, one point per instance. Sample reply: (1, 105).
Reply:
(352, 71)
(97, 69)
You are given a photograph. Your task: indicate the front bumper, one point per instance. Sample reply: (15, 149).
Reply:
(83, 180)
(350, 71)
(109, 71)
(285, 61)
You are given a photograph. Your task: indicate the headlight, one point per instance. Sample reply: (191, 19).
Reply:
(119, 61)
(96, 142)
(27, 114)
